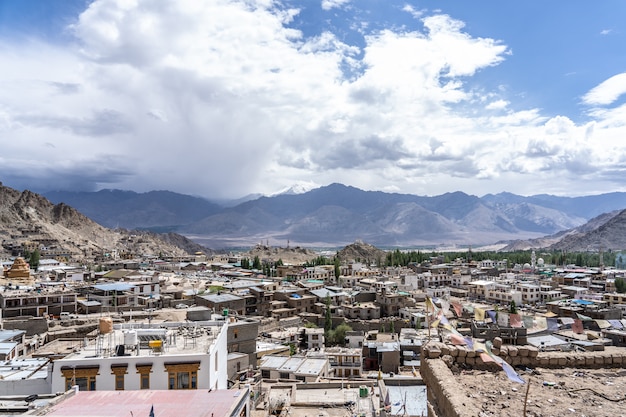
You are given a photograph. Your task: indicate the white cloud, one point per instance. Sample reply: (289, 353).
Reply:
(607, 92)
(411, 10)
(224, 98)
(497, 105)
(331, 4)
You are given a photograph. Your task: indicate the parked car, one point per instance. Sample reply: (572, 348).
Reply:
(67, 316)
(181, 306)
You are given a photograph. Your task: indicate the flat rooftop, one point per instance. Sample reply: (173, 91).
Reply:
(197, 403)
(175, 339)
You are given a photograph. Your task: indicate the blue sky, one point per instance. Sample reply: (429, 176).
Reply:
(223, 98)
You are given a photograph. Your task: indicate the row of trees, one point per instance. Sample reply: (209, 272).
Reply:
(559, 258)
(266, 267)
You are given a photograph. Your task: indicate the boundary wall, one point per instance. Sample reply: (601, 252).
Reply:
(443, 386)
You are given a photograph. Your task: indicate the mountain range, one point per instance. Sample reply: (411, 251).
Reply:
(336, 215)
(61, 231)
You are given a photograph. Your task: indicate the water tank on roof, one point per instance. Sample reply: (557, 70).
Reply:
(105, 325)
(130, 338)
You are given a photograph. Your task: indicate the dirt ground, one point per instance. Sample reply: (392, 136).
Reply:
(551, 393)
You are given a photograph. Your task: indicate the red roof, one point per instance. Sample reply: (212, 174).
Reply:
(174, 403)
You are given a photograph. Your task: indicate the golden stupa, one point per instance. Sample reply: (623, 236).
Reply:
(18, 273)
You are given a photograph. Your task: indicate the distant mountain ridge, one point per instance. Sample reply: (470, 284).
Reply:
(59, 230)
(155, 210)
(337, 215)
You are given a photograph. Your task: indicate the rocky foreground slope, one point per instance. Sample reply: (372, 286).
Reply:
(29, 221)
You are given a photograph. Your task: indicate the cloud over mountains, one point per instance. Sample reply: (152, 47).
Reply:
(223, 98)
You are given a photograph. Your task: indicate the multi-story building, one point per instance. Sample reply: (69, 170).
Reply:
(49, 301)
(361, 311)
(296, 300)
(314, 338)
(391, 303)
(242, 335)
(381, 352)
(355, 338)
(531, 294)
(150, 358)
(116, 295)
(503, 294)
(223, 302)
(344, 362)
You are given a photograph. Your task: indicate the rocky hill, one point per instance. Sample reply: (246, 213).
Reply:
(361, 252)
(592, 235)
(289, 255)
(29, 221)
(609, 233)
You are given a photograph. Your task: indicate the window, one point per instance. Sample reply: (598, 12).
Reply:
(182, 375)
(265, 373)
(236, 333)
(119, 371)
(284, 375)
(85, 378)
(144, 375)
(315, 337)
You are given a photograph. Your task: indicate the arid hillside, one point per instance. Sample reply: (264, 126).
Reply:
(29, 221)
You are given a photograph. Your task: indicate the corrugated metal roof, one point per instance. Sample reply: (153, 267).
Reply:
(174, 403)
(114, 286)
(311, 366)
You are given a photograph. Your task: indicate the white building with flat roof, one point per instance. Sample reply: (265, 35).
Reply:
(164, 356)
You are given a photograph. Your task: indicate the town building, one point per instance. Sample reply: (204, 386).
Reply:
(167, 356)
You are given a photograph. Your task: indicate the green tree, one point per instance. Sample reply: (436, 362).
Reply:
(32, 258)
(513, 307)
(339, 334)
(245, 263)
(620, 285)
(256, 262)
(328, 319)
(337, 267)
(392, 328)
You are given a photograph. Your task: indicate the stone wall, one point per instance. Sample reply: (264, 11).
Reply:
(32, 325)
(442, 384)
(527, 355)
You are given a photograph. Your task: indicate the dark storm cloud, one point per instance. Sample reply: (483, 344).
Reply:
(356, 153)
(101, 123)
(87, 175)
(66, 88)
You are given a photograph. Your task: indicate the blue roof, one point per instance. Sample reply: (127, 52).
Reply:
(583, 302)
(114, 286)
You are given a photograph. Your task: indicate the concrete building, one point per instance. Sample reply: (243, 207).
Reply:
(298, 368)
(344, 362)
(142, 357)
(224, 302)
(241, 336)
(49, 301)
(27, 376)
(314, 338)
(361, 311)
